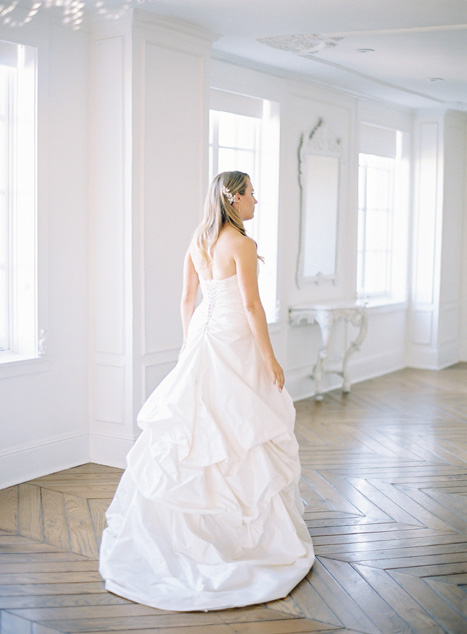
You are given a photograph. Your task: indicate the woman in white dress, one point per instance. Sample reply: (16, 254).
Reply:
(207, 514)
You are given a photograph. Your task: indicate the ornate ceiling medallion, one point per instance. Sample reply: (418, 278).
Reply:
(303, 44)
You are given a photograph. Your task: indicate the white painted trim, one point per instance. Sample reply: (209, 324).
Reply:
(301, 386)
(301, 77)
(26, 462)
(160, 357)
(433, 358)
(368, 367)
(448, 354)
(380, 306)
(173, 28)
(110, 450)
(16, 365)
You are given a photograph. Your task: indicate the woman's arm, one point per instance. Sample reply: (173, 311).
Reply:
(246, 261)
(189, 292)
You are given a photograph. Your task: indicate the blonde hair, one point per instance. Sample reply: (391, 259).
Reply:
(218, 210)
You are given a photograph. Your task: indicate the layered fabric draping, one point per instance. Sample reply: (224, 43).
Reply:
(207, 514)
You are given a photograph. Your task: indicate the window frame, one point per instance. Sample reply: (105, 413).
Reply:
(21, 345)
(265, 180)
(7, 84)
(380, 144)
(364, 163)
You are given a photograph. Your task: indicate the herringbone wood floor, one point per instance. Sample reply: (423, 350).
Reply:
(385, 481)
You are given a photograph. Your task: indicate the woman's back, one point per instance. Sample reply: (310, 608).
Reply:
(222, 264)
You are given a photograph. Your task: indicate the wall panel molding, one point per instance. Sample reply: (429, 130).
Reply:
(422, 326)
(449, 323)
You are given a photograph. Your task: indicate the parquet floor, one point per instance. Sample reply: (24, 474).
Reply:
(385, 482)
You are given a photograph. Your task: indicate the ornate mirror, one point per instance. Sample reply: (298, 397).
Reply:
(319, 156)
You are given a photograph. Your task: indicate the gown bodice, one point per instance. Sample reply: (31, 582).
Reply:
(221, 307)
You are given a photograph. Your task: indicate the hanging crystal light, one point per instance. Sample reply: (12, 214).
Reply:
(73, 10)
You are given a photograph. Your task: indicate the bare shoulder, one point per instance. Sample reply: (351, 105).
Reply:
(245, 250)
(191, 252)
(237, 241)
(194, 254)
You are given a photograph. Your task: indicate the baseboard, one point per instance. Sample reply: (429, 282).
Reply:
(22, 463)
(301, 386)
(433, 358)
(372, 366)
(110, 450)
(448, 354)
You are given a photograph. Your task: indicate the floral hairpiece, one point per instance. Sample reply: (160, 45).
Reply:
(227, 193)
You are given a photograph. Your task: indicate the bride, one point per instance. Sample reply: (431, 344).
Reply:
(207, 514)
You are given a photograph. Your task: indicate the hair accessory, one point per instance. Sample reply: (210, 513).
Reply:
(226, 191)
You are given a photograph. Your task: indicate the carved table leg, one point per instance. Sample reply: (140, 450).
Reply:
(361, 320)
(318, 376)
(325, 316)
(325, 320)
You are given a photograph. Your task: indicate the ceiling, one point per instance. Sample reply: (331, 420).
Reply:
(419, 47)
(410, 52)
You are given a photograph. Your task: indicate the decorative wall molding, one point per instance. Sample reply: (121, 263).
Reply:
(321, 140)
(304, 44)
(449, 322)
(427, 213)
(160, 131)
(146, 69)
(108, 188)
(320, 204)
(174, 32)
(109, 386)
(421, 326)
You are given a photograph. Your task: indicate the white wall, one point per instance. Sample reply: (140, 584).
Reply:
(141, 154)
(149, 133)
(449, 342)
(434, 333)
(43, 411)
(463, 321)
(301, 105)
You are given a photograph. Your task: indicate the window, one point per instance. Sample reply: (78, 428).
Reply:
(244, 135)
(235, 140)
(17, 201)
(7, 80)
(382, 215)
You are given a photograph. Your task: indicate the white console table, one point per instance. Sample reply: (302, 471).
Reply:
(325, 315)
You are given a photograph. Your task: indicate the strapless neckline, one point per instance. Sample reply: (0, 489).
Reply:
(222, 279)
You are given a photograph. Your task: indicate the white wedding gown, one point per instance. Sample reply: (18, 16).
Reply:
(207, 514)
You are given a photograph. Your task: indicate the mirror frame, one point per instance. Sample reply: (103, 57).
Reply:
(321, 141)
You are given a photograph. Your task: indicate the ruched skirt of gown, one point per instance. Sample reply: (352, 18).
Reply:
(207, 514)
